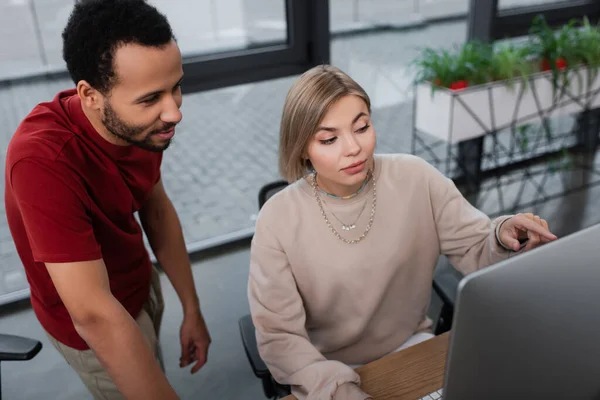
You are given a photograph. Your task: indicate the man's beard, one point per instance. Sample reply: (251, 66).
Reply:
(128, 133)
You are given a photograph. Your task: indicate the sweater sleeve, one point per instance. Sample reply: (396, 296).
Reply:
(466, 235)
(279, 317)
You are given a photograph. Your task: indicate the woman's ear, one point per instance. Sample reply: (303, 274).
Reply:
(308, 164)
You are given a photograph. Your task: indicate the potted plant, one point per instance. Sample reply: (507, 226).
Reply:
(586, 52)
(554, 51)
(578, 43)
(456, 69)
(510, 62)
(478, 88)
(586, 46)
(439, 68)
(492, 76)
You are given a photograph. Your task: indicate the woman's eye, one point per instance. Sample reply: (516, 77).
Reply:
(328, 141)
(364, 128)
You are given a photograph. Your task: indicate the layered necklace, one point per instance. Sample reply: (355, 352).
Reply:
(347, 227)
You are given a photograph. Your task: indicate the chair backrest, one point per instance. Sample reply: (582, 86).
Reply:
(17, 348)
(269, 190)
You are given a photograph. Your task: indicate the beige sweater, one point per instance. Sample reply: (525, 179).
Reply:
(319, 303)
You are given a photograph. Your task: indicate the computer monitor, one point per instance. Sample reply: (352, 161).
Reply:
(529, 327)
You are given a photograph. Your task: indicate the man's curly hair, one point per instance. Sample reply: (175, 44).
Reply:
(97, 28)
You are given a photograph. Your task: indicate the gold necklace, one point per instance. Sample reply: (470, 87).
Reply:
(345, 197)
(330, 226)
(349, 227)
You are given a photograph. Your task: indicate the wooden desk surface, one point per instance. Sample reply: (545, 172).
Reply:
(408, 374)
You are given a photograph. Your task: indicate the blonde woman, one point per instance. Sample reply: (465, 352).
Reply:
(342, 259)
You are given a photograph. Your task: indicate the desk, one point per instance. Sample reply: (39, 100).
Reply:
(408, 374)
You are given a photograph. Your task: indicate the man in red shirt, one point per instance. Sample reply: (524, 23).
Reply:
(77, 170)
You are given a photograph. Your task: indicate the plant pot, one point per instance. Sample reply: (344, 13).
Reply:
(455, 116)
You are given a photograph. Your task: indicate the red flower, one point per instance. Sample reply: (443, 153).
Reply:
(459, 85)
(545, 65)
(561, 63)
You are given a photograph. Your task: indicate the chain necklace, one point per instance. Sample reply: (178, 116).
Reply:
(330, 226)
(349, 227)
(346, 197)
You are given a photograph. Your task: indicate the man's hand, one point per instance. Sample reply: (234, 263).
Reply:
(161, 224)
(525, 226)
(195, 340)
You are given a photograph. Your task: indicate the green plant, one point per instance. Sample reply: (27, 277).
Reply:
(523, 133)
(522, 136)
(587, 44)
(473, 62)
(549, 45)
(560, 162)
(510, 62)
(476, 63)
(554, 50)
(437, 66)
(470, 63)
(561, 51)
(586, 48)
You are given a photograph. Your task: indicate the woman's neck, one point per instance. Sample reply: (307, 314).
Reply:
(346, 192)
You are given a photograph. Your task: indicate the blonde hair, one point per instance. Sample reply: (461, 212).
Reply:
(306, 104)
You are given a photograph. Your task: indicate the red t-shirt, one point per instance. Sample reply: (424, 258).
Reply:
(71, 196)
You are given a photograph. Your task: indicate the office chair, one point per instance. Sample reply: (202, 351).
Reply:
(17, 348)
(445, 285)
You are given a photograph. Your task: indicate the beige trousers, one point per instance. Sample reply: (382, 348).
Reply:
(88, 367)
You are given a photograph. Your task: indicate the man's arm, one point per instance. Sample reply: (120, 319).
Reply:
(161, 224)
(109, 330)
(54, 206)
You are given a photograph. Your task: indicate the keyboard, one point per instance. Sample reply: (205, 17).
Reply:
(437, 395)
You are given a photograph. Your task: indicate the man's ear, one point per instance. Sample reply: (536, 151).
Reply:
(91, 98)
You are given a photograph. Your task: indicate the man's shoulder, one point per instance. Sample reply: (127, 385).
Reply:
(43, 133)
